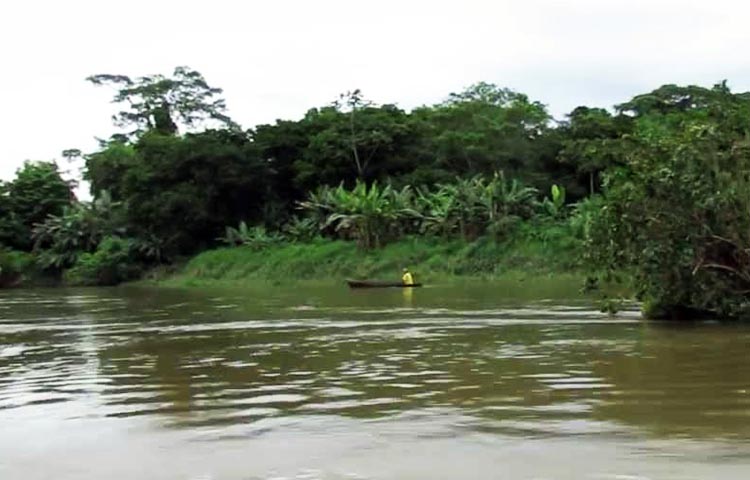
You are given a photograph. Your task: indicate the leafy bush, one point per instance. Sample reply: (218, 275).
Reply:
(110, 264)
(584, 214)
(256, 238)
(477, 205)
(60, 239)
(150, 249)
(14, 265)
(301, 229)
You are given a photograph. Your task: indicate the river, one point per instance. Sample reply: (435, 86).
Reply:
(312, 382)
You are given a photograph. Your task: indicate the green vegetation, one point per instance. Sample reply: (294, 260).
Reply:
(676, 214)
(14, 266)
(528, 254)
(653, 195)
(110, 264)
(37, 192)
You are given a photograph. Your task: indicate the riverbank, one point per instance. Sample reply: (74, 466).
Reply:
(531, 251)
(526, 255)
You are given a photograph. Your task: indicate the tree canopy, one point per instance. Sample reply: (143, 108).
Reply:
(37, 192)
(160, 103)
(675, 211)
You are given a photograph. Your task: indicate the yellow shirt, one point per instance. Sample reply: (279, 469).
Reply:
(407, 279)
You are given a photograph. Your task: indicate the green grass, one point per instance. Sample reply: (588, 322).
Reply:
(533, 250)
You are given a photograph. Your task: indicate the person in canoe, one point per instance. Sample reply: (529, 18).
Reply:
(407, 277)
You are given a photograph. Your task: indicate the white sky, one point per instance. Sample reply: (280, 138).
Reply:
(277, 58)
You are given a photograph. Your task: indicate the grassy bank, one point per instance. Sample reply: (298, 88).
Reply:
(529, 252)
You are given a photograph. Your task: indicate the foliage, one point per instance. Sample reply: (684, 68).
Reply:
(592, 142)
(256, 238)
(361, 142)
(584, 214)
(60, 239)
(158, 103)
(37, 192)
(12, 231)
(110, 264)
(675, 216)
(554, 206)
(374, 215)
(182, 191)
(477, 205)
(301, 229)
(14, 265)
(106, 169)
(371, 214)
(485, 129)
(657, 188)
(149, 248)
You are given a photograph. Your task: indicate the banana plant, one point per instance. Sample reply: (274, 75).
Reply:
(255, 237)
(371, 214)
(437, 212)
(554, 206)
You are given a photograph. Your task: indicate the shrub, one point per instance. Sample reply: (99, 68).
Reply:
(14, 265)
(110, 264)
(301, 229)
(256, 238)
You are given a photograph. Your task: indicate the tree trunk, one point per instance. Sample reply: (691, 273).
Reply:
(360, 170)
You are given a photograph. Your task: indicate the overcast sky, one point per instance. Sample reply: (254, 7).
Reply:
(277, 58)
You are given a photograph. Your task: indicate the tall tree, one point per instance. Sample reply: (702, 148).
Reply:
(354, 100)
(484, 129)
(676, 99)
(163, 104)
(281, 145)
(379, 138)
(71, 154)
(372, 129)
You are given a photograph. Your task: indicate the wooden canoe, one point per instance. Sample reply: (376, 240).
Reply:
(378, 284)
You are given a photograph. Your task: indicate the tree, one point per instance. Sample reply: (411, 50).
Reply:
(281, 145)
(106, 169)
(592, 141)
(485, 129)
(12, 231)
(380, 138)
(37, 192)
(160, 103)
(675, 213)
(180, 192)
(674, 99)
(71, 154)
(354, 101)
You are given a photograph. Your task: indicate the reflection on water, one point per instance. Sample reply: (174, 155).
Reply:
(321, 382)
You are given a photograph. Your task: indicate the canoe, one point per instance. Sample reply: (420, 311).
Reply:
(378, 284)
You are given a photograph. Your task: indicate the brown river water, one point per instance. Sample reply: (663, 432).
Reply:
(459, 381)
